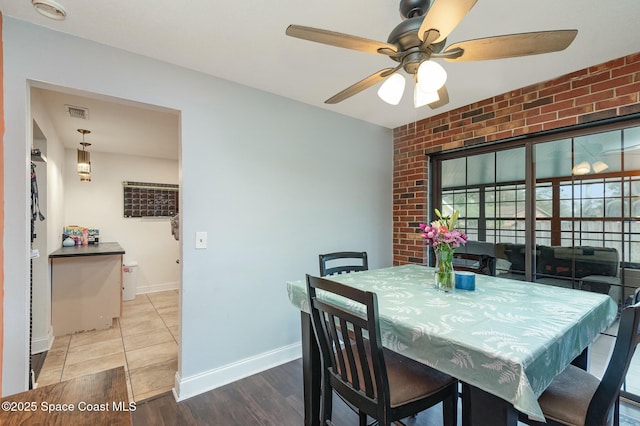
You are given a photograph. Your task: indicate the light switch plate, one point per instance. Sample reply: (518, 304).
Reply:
(201, 240)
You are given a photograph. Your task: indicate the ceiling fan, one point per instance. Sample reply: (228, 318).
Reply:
(420, 37)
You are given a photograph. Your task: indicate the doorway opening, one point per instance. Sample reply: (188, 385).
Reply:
(130, 141)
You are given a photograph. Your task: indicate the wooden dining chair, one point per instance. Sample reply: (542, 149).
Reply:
(576, 397)
(343, 262)
(374, 381)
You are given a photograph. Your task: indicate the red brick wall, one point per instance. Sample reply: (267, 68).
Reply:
(603, 91)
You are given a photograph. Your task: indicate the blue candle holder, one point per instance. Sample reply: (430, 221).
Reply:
(465, 280)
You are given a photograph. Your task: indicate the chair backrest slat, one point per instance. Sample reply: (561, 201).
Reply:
(608, 391)
(343, 262)
(365, 362)
(354, 377)
(339, 366)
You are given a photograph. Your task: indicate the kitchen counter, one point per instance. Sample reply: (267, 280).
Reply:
(100, 249)
(86, 287)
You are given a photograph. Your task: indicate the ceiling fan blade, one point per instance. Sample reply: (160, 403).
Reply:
(360, 86)
(444, 98)
(341, 40)
(509, 46)
(444, 16)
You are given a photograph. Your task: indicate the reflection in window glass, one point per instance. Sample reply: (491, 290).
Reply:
(598, 153)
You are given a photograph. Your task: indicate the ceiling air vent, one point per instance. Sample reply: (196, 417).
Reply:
(78, 112)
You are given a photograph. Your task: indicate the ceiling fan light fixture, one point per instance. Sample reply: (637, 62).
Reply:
(422, 98)
(431, 76)
(392, 89)
(581, 169)
(599, 166)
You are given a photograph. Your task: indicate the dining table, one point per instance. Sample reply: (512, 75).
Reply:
(505, 341)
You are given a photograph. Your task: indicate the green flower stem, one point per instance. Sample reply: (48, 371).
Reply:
(444, 263)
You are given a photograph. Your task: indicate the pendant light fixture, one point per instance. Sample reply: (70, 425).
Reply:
(84, 159)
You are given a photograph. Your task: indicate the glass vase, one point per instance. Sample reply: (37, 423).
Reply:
(444, 275)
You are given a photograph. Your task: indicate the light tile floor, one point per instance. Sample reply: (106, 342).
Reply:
(144, 341)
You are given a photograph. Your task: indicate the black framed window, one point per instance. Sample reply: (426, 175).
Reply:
(561, 209)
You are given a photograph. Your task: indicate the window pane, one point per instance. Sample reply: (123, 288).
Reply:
(592, 201)
(481, 169)
(566, 197)
(544, 201)
(510, 165)
(553, 159)
(614, 208)
(632, 148)
(454, 172)
(599, 152)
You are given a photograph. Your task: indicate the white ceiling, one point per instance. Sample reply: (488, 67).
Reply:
(117, 126)
(245, 42)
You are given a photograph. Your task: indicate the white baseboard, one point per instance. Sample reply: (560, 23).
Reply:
(43, 343)
(191, 386)
(154, 288)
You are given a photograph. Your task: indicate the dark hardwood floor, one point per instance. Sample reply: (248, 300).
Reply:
(273, 397)
(94, 399)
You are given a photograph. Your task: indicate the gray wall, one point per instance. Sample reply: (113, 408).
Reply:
(273, 182)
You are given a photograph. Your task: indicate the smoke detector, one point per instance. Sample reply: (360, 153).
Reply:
(50, 9)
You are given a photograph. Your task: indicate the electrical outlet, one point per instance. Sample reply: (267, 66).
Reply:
(201, 240)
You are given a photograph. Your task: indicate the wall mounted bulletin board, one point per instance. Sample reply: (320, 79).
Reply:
(142, 199)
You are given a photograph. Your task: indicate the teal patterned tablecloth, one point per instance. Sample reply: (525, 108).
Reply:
(509, 338)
